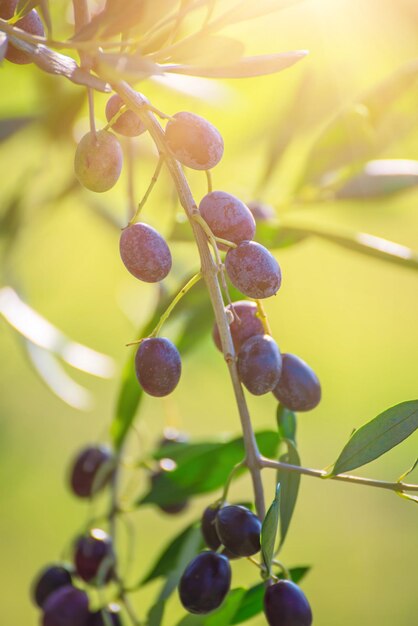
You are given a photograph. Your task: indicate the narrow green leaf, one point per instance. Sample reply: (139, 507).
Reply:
(225, 614)
(289, 488)
(202, 468)
(10, 126)
(248, 67)
(170, 555)
(378, 436)
(381, 178)
(269, 530)
(370, 245)
(286, 423)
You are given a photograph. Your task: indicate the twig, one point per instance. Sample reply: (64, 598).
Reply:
(347, 478)
(148, 191)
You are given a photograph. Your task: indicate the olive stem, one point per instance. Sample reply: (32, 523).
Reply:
(147, 194)
(195, 279)
(209, 179)
(210, 271)
(236, 467)
(348, 478)
(261, 313)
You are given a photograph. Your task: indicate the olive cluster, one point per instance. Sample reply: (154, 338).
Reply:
(57, 589)
(231, 532)
(262, 367)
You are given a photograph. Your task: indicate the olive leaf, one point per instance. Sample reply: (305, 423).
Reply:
(286, 423)
(269, 530)
(378, 436)
(170, 555)
(381, 178)
(203, 467)
(289, 489)
(366, 244)
(247, 67)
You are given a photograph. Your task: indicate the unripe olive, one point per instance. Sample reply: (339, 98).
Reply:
(98, 161)
(260, 364)
(128, 124)
(30, 23)
(247, 325)
(299, 388)
(193, 141)
(253, 270)
(285, 604)
(158, 366)
(145, 253)
(227, 217)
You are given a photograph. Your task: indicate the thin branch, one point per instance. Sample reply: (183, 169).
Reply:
(210, 272)
(347, 478)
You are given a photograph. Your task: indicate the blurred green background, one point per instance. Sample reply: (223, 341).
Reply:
(353, 318)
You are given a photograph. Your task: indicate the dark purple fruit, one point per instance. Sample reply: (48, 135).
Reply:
(93, 557)
(261, 212)
(98, 161)
(227, 217)
(239, 530)
(299, 388)
(193, 141)
(205, 583)
(112, 612)
(243, 328)
(49, 580)
(91, 471)
(175, 507)
(259, 364)
(145, 253)
(67, 606)
(285, 604)
(208, 528)
(128, 124)
(158, 366)
(253, 270)
(30, 23)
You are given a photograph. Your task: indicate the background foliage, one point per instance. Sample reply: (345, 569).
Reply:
(351, 316)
